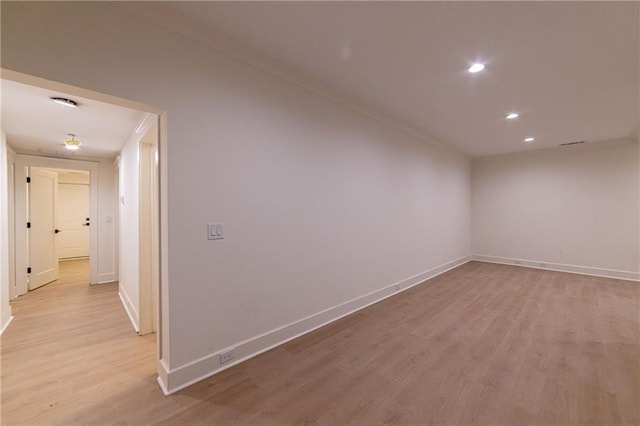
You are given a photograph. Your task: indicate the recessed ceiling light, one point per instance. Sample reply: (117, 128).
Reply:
(477, 67)
(65, 102)
(512, 115)
(529, 139)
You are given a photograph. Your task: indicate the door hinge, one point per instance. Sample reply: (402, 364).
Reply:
(28, 179)
(28, 224)
(28, 270)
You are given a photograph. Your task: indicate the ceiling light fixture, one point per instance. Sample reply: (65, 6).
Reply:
(529, 139)
(512, 115)
(477, 67)
(72, 144)
(65, 102)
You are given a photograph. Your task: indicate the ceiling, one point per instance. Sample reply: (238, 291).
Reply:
(35, 124)
(570, 69)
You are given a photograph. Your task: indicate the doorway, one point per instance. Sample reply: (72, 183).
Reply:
(102, 214)
(59, 214)
(41, 220)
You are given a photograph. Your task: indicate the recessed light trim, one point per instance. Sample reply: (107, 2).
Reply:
(477, 67)
(512, 116)
(65, 102)
(529, 139)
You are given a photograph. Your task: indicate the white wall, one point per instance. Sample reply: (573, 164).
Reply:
(5, 308)
(11, 157)
(575, 206)
(325, 209)
(129, 213)
(107, 239)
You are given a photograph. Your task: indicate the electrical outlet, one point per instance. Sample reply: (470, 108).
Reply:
(227, 356)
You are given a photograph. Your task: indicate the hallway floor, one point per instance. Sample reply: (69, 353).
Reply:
(71, 352)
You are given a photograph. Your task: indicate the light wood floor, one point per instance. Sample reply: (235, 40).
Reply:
(483, 344)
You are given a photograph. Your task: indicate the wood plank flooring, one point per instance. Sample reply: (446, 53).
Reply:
(483, 344)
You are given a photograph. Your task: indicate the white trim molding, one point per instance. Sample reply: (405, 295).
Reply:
(181, 377)
(6, 324)
(107, 277)
(559, 267)
(130, 309)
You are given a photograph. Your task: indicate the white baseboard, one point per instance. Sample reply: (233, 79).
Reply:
(573, 269)
(6, 324)
(163, 377)
(173, 380)
(130, 309)
(106, 278)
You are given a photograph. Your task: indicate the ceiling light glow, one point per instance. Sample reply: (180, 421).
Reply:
(72, 144)
(529, 139)
(65, 102)
(512, 115)
(477, 67)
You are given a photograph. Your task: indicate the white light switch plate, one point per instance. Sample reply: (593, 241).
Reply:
(215, 231)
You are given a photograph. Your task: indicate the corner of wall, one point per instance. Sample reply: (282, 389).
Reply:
(163, 377)
(5, 307)
(559, 267)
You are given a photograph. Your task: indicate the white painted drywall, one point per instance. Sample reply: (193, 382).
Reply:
(569, 206)
(5, 308)
(134, 282)
(129, 240)
(321, 205)
(107, 238)
(12, 223)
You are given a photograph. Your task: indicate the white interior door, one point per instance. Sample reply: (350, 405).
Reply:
(42, 236)
(73, 221)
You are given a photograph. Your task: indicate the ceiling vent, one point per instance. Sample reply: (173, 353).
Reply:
(571, 143)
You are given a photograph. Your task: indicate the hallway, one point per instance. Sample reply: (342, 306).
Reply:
(69, 348)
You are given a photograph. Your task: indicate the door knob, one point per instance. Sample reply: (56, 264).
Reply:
(87, 224)
(57, 231)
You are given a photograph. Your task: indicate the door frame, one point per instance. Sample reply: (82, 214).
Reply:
(22, 162)
(163, 336)
(72, 198)
(149, 228)
(163, 355)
